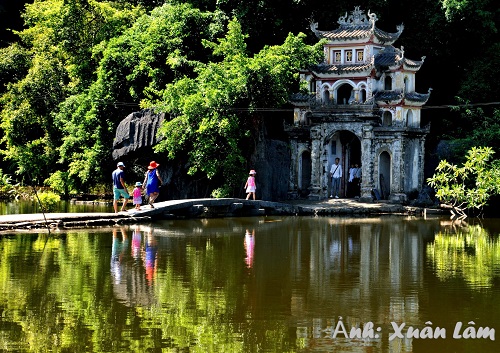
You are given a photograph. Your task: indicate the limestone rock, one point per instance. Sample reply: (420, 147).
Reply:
(136, 131)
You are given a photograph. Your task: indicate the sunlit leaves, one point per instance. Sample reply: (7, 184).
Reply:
(470, 185)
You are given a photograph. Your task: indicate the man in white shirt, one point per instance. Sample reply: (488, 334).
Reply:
(335, 174)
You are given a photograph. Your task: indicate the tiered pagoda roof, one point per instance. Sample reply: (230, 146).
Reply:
(394, 58)
(397, 97)
(328, 69)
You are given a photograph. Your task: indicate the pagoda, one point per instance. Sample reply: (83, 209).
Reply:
(358, 105)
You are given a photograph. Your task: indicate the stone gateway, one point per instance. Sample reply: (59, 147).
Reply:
(360, 105)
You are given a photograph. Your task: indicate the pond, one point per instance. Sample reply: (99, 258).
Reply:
(270, 284)
(23, 207)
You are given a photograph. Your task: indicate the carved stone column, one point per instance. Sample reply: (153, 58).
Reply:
(367, 164)
(293, 182)
(315, 188)
(397, 194)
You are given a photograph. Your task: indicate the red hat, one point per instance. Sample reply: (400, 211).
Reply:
(153, 165)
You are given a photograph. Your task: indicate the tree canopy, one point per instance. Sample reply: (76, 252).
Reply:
(79, 67)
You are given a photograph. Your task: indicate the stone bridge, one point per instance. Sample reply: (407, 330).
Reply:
(203, 208)
(208, 208)
(173, 209)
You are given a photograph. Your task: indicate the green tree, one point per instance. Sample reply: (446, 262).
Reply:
(469, 186)
(214, 117)
(136, 64)
(58, 41)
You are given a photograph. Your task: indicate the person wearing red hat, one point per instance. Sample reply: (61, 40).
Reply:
(153, 182)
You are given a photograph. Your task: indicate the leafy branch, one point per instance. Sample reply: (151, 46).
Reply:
(466, 187)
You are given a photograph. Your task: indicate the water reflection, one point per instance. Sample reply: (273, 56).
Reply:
(467, 252)
(26, 206)
(133, 267)
(150, 252)
(196, 285)
(249, 247)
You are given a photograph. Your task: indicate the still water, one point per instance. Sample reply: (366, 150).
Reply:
(23, 207)
(286, 284)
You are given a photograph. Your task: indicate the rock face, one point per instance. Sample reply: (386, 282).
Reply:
(272, 164)
(136, 132)
(136, 136)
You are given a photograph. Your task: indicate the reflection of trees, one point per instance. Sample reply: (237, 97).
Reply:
(66, 299)
(305, 273)
(470, 252)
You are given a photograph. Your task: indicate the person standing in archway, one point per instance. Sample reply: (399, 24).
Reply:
(336, 174)
(153, 182)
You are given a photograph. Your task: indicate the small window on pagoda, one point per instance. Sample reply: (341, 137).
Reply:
(326, 96)
(406, 83)
(388, 83)
(348, 56)
(312, 86)
(387, 119)
(362, 95)
(410, 121)
(337, 56)
(359, 56)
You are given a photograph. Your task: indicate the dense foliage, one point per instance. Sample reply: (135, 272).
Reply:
(213, 114)
(79, 67)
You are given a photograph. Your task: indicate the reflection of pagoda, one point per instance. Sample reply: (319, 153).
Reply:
(360, 106)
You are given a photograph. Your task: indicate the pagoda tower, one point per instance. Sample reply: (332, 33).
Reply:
(360, 106)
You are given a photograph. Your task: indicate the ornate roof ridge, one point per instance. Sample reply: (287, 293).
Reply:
(356, 26)
(357, 18)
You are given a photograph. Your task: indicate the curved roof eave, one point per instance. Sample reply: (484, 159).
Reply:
(417, 99)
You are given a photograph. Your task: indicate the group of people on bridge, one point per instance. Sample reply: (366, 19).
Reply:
(151, 186)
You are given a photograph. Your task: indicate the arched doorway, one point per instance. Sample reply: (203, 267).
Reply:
(384, 168)
(346, 146)
(344, 94)
(305, 167)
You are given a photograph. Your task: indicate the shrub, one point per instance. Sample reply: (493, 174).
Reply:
(48, 201)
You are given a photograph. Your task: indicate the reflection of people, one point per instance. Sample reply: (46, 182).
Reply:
(137, 195)
(249, 247)
(250, 184)
(119, 187)
(336, 174)
(150, 252)
(117, 252)
(153, 182)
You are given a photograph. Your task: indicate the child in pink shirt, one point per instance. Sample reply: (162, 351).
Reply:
(137, 195)
(250, 185)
